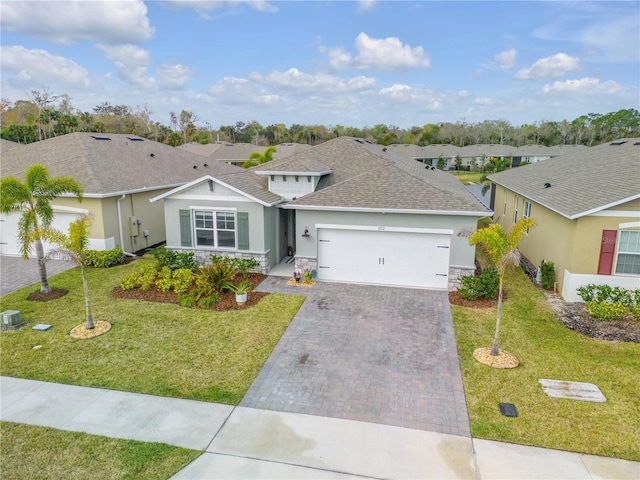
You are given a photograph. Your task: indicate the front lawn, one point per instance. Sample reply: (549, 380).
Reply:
(546, 349)
(154, 348)
(468, 178)
(28, 451)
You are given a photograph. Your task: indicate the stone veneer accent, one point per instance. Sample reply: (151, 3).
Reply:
(204, 256)
(455, 274)
(302, 263)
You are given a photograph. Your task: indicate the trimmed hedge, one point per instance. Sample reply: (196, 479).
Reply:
(104, 258)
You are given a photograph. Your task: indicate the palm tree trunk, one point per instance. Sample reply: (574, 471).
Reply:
(494, 347)
(87, 302)
(42, 269)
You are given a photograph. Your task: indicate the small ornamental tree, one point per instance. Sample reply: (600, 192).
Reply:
(502, 250)
(73, 247)
(32, 199)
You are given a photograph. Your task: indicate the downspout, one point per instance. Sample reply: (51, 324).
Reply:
(120, 226)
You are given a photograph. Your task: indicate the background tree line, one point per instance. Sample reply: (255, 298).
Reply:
(44, 115)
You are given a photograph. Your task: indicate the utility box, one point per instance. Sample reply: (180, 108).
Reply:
(134, 226)
(11, 320)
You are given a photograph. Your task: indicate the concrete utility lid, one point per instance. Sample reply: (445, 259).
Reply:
(41, 326)
(587, 392)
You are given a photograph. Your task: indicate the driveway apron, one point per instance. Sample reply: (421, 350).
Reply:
(368, 353)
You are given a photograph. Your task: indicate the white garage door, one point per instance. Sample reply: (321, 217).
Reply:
(383, 255)
(9, 244)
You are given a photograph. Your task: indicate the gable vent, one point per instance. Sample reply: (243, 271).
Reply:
(100, 137)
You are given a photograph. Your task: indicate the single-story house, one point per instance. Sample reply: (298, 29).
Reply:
(347, 209)
(119, 174)
(587, 209)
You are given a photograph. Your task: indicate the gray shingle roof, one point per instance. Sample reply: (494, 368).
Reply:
(365, 176)
(582, 182)
(108, 167)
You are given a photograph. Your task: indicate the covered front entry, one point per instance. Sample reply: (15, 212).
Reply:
(412, 257)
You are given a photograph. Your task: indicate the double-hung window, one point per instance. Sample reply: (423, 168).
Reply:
(215, 229)
(628, 258)
(526, 211)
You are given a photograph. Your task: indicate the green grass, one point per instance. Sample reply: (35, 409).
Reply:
(33, 452)
(153, 348)
(468, 177)
(546, 349)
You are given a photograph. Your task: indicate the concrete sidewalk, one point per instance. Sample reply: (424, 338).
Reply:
(240, 442)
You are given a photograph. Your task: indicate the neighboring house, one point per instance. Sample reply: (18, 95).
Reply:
(350, 210)
(477, 156)
(119, 173)
(587, 209)
(238, 153)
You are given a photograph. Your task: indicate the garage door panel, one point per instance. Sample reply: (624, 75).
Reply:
(385, 257)
(9, 243)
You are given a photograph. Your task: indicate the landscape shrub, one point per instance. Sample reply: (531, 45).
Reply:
(636, 311)
(606, 293)
(174, 260)
(182, 280)
(606, 310)
(245, 265)
(486, 285)
(164, 281)
(547, 275)
(104, 258)
(143, 278)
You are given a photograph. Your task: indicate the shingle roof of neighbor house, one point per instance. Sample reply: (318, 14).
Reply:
(580, 183)
(113, 165)
(368, 176)
(236, 152)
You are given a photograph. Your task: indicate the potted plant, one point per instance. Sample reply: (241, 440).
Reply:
(240, 289)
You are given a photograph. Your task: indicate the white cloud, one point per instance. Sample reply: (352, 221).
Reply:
(377, 54)
(387, 54)
(71, 21)
(202, 6)
(296, 80)
(131, 62)
(364, 5)
(583, 86)
(506, 59)
(550, 67)
(484, 101)
(26, 69)
(173, 77)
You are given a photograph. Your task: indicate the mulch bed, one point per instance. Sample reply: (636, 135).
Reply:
(456, 299)
(573, 316)
(226, 302)
(46, 297)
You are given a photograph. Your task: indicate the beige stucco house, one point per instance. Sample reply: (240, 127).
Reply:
(119, 173)
(587, 210)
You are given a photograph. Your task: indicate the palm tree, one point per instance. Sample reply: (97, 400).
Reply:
(502, 250)
(32, 199)
(73, 247)
(257, 158)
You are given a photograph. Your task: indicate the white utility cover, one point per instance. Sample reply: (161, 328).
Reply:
(410, 258)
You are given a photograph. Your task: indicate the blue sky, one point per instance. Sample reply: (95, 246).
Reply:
(328, 62)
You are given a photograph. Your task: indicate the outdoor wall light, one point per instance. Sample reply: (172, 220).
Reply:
(306, 232)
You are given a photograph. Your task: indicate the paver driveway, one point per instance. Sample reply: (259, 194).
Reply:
(375, 354)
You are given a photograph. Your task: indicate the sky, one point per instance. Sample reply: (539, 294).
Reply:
(351, 63)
